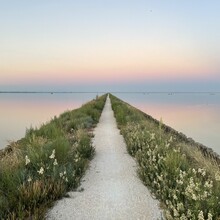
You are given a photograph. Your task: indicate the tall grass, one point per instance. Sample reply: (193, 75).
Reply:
(187, 183)
(45, 164)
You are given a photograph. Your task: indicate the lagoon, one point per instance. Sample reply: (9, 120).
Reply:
(19, 111)
(194, 114)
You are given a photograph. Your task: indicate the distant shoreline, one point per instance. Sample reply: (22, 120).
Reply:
(95, 92)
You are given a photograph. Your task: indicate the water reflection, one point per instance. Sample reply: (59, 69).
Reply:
(196, 115)
(20, 111)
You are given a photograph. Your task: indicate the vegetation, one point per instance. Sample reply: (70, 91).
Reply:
(47, 162)
(187, 183)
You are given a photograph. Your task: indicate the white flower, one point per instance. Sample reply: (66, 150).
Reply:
(167, 145)
(41, 171)
(66, 179)
(175, 212)
(61, 175)
(52, 156)
(29, 179)
(208, 184)
(175, 197)
(189, 213)
(179, 182)
(152, 136)
(183, 217)
(209, 216)
(194, 197)
(200, 215)
(202, 171)
(217, 176)
(171, 139)
(55, 162)
(194, 171)
(180, 206)
(205, 195)
(27, 160)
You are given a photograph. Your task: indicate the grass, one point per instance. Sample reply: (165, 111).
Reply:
(178, 174)
(48, 162)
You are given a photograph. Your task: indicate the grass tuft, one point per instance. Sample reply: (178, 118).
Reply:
(186, 182)
(48, 162)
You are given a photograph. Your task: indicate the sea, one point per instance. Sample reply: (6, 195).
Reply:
(197, 115)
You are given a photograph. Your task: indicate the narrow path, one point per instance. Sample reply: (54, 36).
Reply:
(112, 189)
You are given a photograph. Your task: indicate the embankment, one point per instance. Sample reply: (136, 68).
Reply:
(49, 161)
(183, 175)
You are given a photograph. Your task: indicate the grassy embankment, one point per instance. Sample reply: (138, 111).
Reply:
(186, 183)
(47, 162)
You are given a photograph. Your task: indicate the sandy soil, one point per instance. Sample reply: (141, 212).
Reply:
(110, 188)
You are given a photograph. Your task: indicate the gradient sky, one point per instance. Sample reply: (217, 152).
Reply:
(110, 44)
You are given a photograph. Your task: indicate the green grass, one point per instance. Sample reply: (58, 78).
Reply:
(186, 182)
(48, 162)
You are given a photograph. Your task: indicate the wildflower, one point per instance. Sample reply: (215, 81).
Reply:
(171, 139)
(154, 159)
(167, 145)
(52, 156)
(66, 179)
(183, 217)
(194, 171)
(205, 195)
(27, 160)
(152, 136)
(190, 188)
(175, 212)
(29, 179)
(74, 173)
(194, 197)
(209, 216)
(41, 171)
(201, 216)
(202, 171)
(168, 215)
(175, 197)
(61, 175)
(179, 182)
(217, 176)
(189, 213)
(55, 162)
(180, 206)
(208, 184)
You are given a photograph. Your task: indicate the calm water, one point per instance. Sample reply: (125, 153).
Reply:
(21, 111)
(196, 115)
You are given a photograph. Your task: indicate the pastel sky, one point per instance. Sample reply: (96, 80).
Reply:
(109, 42)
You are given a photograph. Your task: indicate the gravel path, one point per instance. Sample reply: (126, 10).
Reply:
(112, 189)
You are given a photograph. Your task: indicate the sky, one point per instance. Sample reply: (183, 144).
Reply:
(126, 45)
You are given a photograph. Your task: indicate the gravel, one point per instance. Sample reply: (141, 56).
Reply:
(110, 189)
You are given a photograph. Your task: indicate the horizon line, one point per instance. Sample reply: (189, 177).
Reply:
(138, 92)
